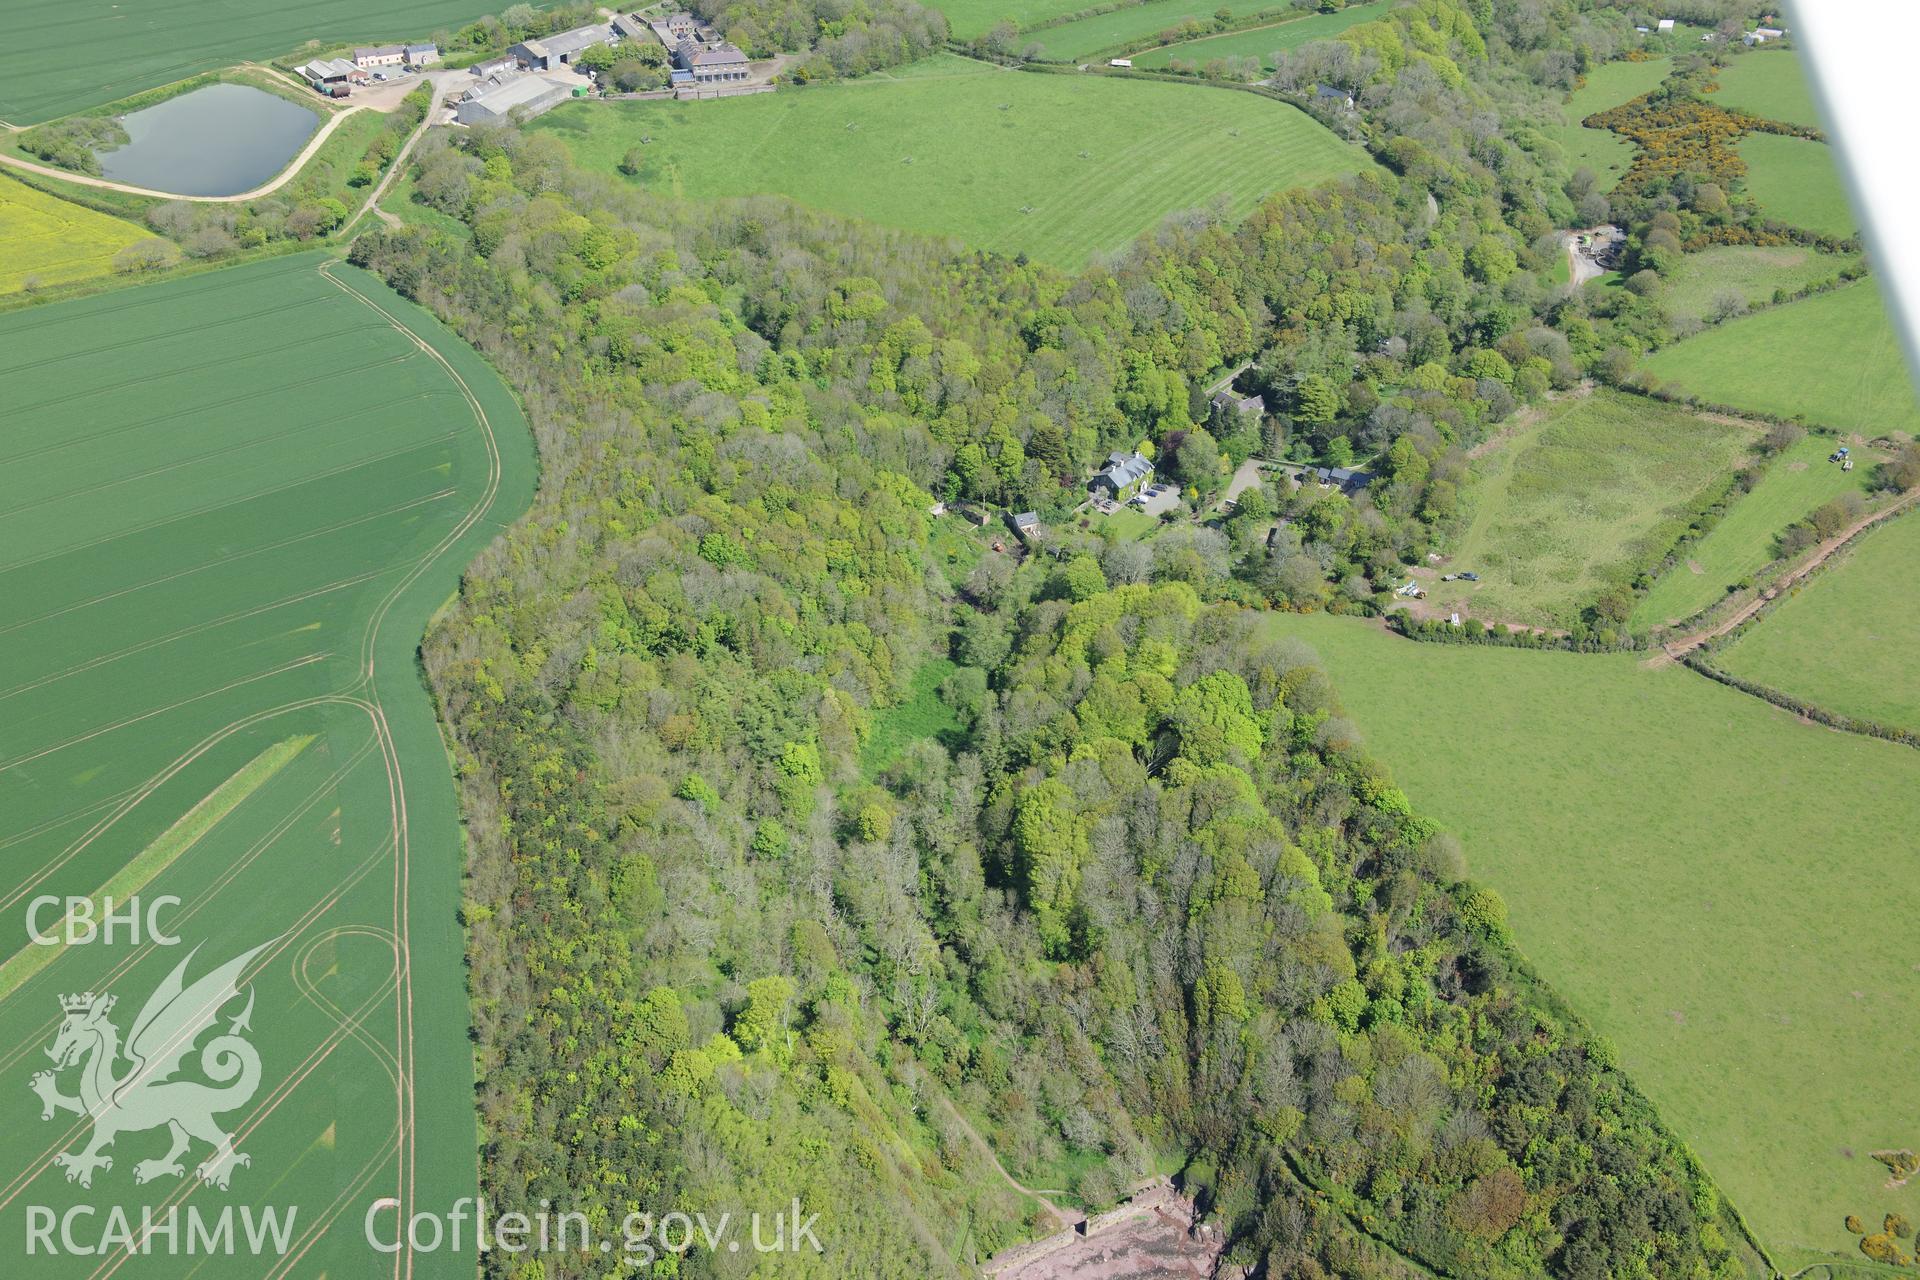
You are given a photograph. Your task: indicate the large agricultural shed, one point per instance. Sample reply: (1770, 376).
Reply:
(551, 52)
(530, 95)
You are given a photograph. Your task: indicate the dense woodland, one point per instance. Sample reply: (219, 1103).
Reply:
(756, 912)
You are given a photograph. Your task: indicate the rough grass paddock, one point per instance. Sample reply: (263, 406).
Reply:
(1796, 182)
(1060, 167)
(1769, 83)
(227, 506)
(1711, 883)
(1743, 542)
(1833, 358)
(1575, 503)
(1847, 640)
(1264, 42)
(46, 241)
(1752, 272)
(1608, 85)
(72, 54)
(920, 716)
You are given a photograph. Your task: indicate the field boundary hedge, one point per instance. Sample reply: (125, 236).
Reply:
(1078, 15)
(1701, 659)
(1259, 90)
(1234, 26)
(1800, 706)
(1702, 513)
(1691, 401)
(1704, 520)
(1472, 631)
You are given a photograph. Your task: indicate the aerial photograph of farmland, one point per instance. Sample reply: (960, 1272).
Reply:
(1022, 639)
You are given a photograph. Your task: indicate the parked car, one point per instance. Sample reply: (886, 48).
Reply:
(1470, 577)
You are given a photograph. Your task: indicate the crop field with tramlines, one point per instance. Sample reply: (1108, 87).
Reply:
(227, 506)
(134, 47)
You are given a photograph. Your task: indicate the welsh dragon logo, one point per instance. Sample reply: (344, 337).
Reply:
(144, 1094)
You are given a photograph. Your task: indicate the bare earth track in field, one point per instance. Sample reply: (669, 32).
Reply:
(1681, 647)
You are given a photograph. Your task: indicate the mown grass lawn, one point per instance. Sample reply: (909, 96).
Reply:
(1743, 542)
(1574, 504)
(1847, 639)
(1751, 271)
(1263, 42)
(1833, 358)
(1607, 85)
(1795, 181)
(1710, 882)
(1128, 524)
(47, 241)
(1060, 167)
(1769, 83)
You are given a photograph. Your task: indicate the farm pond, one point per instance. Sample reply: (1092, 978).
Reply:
(217, 141)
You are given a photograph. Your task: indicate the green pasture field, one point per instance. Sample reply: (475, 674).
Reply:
(1742, 543)
(967, 19)
(228, 504)
(1796, 182)
(1708, 881)
(1263, 42)
(1846, 639)
(1573, 505)
(1139, 23)
(1832, 359)
(1608, 85)
(1769, 83)
(1060, 167)
(1751, 271)
(69, 55)
(46, 241)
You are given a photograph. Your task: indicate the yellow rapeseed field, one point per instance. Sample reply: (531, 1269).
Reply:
(47, 241)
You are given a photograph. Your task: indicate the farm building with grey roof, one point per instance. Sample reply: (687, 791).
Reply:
(524, 96)
(560, 50)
